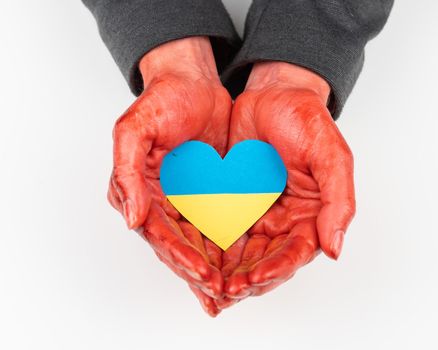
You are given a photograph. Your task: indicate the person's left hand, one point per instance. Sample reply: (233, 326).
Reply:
(285, 105)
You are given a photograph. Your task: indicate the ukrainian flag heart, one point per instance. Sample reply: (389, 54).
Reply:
(223, 198)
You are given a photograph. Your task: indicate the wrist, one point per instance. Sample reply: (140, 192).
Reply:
(268, 73)
(191, 56)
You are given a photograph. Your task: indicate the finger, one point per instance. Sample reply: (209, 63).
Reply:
(274, 222)
(179, 272)
(170, 209)
(159, 197)
(275, 244)
(238, 285)
(165, 239)
(130, 154)
(231, 257)
(285, 214)
(225, 302)
(332, 167)
(177, 229)
(206, 288)
(260, 290)
(214, 253)
(298, 249)
(113, 197)
(193, 236)
(207, 302)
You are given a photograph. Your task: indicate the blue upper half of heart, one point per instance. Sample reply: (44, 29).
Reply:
(195, 167)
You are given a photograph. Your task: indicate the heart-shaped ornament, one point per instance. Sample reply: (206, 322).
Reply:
(223, 198)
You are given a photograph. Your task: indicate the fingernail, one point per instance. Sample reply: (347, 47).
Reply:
(195, 275)
(129, 213)
(336, 246)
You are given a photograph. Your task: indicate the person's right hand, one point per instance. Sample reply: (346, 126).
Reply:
(183, 99)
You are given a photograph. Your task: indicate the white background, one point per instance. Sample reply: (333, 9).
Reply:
(73, 277)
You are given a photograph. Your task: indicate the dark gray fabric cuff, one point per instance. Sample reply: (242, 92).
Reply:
(327, 37)
(131, 28)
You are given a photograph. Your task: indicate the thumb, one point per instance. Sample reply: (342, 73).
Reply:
(332, 223)
(128, 175)
(242, 126)
(332, 168)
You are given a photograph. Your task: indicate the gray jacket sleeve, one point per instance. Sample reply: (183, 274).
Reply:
(325, 36)
(130, 28)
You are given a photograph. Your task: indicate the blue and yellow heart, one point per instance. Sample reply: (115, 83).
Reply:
(223, 198)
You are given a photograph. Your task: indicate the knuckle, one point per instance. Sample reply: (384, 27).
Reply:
(348, 154)
(349, 209)
(223, 94)
(344, 151)
(123, 175)
(352, 211)
(109, 195)
(117, 176)
(244, 97)
(123, 123)
(110, 199)
(242, 103)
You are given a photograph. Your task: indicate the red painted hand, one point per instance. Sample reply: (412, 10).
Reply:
(285, 105)
(183, 99)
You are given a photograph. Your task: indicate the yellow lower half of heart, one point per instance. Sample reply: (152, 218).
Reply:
(223, 218)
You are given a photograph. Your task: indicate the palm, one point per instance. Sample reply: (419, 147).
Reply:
(288, 236)
(171, 110)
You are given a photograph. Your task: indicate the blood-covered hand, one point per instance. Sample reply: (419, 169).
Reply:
(285, 105)
(183, 99)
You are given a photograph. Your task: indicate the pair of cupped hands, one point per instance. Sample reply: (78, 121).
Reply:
(283, 105)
